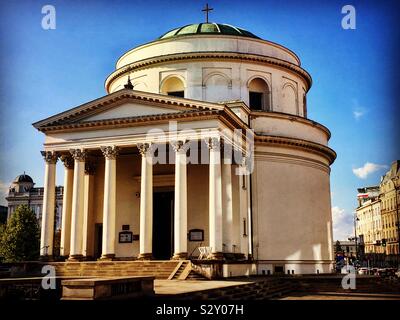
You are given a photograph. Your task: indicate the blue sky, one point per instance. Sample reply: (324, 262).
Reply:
(355, 91)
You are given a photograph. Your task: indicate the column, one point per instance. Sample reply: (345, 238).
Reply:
(146, 203)
(109, 204)
(247, 170)
(88, 224)
(249, 218)
(78, 195)
(67, 205)
(49, 199)
(227, 205)
(180, 210)
(236, 217)
(215, 198)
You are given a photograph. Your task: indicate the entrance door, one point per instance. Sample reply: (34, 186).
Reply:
(163, 225)
(98, 240)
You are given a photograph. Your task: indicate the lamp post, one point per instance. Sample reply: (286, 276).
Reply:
(355, 234)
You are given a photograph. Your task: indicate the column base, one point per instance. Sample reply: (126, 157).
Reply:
(180, 256)
(75, 258)
(107, 257)
(217, 256)
(88, 258)
(145, 256)
(46, 258)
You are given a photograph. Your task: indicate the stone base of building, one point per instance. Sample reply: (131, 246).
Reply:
(75, 258)
(292, 267)
(180, 256)
(46, 258)
(217, 256)
(145, 256)
(107, 257)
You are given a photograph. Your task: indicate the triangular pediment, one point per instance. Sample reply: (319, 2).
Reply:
(129, 110)
(126, 104)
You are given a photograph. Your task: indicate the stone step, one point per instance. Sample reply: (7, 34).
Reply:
(158, 269)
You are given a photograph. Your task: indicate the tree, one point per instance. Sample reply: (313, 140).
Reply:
(338, 247)
(19, 240)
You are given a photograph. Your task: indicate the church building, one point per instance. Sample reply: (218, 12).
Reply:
(201, 149)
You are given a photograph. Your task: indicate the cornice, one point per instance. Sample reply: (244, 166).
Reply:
(198, 56)
(308, 146)
(130, 121)
(290, 117)
(110, 100)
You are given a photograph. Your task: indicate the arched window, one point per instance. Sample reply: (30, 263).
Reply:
(259, 95)
(173, 86)
(305, 105)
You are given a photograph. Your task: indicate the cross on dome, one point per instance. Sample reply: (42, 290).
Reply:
(206, 10)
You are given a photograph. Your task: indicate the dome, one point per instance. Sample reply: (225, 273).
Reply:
(206, 29)
(23, 178)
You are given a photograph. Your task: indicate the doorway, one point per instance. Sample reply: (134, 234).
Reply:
(163, 225)
(98, 240)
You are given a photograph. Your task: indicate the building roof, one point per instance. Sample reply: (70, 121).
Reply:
(23, 178)
(207, 29)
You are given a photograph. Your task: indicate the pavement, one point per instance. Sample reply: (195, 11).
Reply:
(172, 287)
(340, 296)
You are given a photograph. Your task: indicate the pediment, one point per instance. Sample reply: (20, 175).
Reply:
(125, 104)
(128, 110)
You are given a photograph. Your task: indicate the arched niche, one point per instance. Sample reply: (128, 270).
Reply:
(259, 94)
(289, 99)
(217, 87)
(173, 86)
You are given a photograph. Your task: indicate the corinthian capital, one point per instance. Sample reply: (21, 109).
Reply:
(178, 145)
(78, 154)
(110, 152)
(50, 156)
(144, 148)
(213, 143)
(68, 161)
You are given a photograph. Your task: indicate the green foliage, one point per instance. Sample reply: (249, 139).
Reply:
(19, 240)
(338, 247)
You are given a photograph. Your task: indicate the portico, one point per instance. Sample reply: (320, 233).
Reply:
(118, 194)
(201, 141)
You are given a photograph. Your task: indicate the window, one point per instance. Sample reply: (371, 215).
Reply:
(176, 93)
(256, 100)
(259, 95)
(305, 105)
(173, 86)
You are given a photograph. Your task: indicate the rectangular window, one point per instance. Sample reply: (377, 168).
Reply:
(255, 100)
(244, 227)
(180, 94)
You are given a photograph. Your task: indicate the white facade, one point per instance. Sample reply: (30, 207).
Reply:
(207, 86)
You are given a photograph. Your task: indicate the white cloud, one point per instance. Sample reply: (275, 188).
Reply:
(367, 169)
(358, 113)
(343, 224)
(3, 192)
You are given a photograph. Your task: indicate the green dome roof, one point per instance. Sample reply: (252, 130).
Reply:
(208, 28)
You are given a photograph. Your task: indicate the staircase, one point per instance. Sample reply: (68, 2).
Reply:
(184, 271)
(255, 290)
(104, 269)
(193, 275)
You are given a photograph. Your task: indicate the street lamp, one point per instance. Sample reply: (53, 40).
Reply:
(355, 234)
